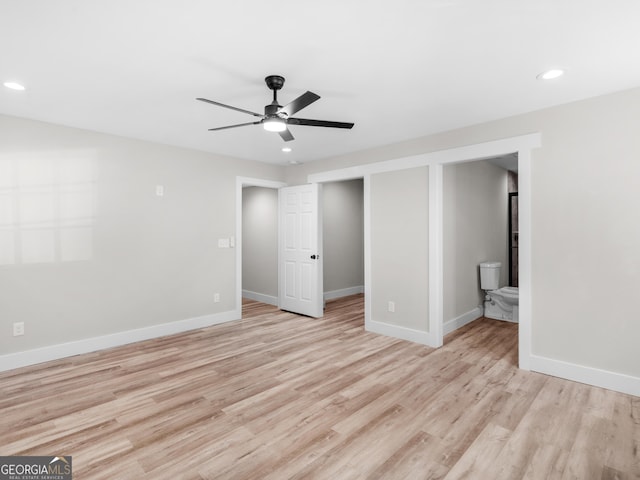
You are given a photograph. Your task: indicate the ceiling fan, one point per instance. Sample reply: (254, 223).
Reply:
(276, 118)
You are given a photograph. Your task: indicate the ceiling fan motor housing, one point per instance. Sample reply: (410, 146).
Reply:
(271, 110)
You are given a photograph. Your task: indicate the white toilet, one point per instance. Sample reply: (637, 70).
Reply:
(499, 303)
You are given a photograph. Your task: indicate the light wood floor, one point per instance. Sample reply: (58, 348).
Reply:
(278, 396)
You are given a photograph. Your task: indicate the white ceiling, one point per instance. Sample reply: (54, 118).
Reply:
(508, 162)
(399, 69)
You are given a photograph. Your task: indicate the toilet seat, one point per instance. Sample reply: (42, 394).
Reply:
(508, 293)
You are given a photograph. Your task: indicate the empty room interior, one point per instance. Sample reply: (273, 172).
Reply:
(347, 240)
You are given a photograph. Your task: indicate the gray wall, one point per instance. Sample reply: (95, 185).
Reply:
(260, 240)
(343, 235)
(585, 253)
(88, 249)
(146, 260)
(475, 207)
(399, 245)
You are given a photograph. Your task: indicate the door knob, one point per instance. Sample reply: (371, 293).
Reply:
(313, 257)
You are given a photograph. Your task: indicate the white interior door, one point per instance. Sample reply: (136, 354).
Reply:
(300, 288)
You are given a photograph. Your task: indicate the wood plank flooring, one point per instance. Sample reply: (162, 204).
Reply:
(279, 396)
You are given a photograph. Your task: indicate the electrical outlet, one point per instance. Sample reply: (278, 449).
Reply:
(392, 307)
(18, 329)
(216, 298)
(160, 190)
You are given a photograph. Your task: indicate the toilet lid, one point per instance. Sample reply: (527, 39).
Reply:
(490, 265)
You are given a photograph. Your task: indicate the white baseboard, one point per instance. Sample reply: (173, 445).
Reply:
(591, 376)
(260, 297)
(63, 350)
(403, 333)
(343, 292)
(333, 294)
(455, 323)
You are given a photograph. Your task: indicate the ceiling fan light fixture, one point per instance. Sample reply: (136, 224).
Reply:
(274, 125)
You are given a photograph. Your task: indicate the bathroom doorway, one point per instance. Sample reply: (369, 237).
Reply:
(480, 224)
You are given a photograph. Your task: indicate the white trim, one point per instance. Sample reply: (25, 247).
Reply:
(343, 292)
(260, 297)
(240, 183)
(368, 282)
(259, 182)
(403, 333)
(436, 256)
(455, 323)
(525, 301)
(588, 375)
(453, 155)
(63, 350)
(522, 144)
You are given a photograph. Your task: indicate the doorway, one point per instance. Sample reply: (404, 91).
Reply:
(343, 238)
(477, 225)
(343, 233)
(260, 244)
(241, 183)
(521, 148)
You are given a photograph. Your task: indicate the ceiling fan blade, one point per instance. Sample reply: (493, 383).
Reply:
(234, 126)
(229, 106)
(318, 123)
(299, 103)
(286, 135)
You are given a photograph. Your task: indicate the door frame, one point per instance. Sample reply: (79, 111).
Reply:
(242, 182)
(512, 195)
(523, 145)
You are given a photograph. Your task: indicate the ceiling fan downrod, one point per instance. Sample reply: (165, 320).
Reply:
(275, 83)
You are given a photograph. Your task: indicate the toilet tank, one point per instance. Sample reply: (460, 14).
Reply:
(490, 275)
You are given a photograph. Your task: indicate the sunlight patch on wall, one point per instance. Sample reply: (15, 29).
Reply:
(47, 207)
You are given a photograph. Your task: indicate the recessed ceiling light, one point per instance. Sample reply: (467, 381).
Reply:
(13, 85)
(550, 74)
(286, 149)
